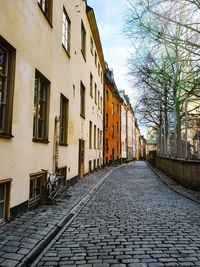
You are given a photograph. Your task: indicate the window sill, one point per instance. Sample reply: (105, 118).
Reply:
(48, 20)
(68, 53)
(83, 116)
(35, 140)
(6, 136)
(83, 54)
(62, 144)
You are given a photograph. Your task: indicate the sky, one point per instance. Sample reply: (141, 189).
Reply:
(110, 19)
(109, 15)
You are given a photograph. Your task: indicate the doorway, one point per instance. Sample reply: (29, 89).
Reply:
(81, 157)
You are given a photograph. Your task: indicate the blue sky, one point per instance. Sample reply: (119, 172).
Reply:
(109, 15)
(110, 20)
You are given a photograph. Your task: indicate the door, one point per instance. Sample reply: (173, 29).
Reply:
(81, 157)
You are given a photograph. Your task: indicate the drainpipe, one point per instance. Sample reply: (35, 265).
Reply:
(56, 144)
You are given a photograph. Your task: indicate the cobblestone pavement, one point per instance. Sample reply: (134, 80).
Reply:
(133, 220)
(20, 237)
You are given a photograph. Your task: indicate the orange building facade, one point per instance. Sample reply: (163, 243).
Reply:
(112, 120)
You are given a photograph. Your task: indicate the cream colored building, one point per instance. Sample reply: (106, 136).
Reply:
(128, 146)
(51, 96)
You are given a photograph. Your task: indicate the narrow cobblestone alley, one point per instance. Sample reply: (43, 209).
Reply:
(133, 220)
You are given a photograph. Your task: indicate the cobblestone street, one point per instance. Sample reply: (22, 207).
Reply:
(133, 220)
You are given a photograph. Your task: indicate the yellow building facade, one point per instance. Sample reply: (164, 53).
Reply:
(51, 92)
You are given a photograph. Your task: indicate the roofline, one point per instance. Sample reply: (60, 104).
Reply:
(95, 32)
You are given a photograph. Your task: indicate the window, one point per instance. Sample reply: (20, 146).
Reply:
(66, 31)
(95, 93)
(41, 108)
(98, 139)
(7, 68)
(95, 59)
(112, 132)
(99, 69)
(91, 84)
(63, 172)
(63, 120)
(117, 108)
(91, 45)
(101, 137)
(37, 184)
(98, 100)
(107, 145)
(101, 106)
(82, 100)
(101, 77)
(107, 96)
(112, 108)
(106, 121)
(95, 136)
(90, 135)
(90, 165)
(4, 199)
(74, 91)
(83, 40)
(46, 7)
(94, 164)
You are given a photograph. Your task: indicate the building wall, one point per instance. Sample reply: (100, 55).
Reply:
(137, 143)
(130, 133)
(39, 46)
(114, 142)
(124, 131)
(134, 137)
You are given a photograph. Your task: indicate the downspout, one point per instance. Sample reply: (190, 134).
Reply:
(56, 145)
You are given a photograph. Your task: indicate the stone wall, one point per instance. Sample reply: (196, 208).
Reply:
(185, 172)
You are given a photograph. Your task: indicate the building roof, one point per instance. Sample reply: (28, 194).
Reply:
(109, 78)
(96, 36)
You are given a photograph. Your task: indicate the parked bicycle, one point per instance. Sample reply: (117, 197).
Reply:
(53, 185)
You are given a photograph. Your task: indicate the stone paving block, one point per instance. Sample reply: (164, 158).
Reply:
(10, 249)
(9, 263)
(12, 256)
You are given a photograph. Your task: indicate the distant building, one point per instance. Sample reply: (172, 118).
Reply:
(137, 141)
(142, 148)
(127, 128)
(112, 120)
(151, 141)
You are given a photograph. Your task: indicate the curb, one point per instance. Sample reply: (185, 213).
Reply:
(180, 192)
(39, 250)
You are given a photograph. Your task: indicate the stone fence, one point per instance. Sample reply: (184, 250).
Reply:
(184, 172)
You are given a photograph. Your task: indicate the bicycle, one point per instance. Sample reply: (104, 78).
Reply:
(53, 185)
